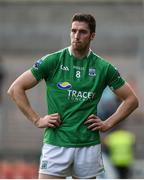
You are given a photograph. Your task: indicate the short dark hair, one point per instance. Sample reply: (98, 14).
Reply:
(88, 18)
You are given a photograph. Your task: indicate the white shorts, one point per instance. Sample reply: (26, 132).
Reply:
(84, 162)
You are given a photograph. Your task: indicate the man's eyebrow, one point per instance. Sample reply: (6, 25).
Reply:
(79, 29)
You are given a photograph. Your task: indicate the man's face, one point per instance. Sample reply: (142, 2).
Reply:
(80, 35)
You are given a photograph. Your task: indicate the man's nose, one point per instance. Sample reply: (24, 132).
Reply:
(77, 35)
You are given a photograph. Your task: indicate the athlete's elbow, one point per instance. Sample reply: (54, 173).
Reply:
(135, 102)
(12, 91)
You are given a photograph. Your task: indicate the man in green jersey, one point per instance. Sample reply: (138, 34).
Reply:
(75, 78)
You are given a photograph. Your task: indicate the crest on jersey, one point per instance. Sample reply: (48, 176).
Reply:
(37, 63)
(92, 72)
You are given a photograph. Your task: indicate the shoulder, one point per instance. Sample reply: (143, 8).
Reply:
(100, 62)
(99, 59)
(55, 55)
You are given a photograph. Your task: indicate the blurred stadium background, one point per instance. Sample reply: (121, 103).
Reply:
(30, 29)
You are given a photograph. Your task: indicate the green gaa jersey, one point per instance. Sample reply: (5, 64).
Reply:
(74, 88)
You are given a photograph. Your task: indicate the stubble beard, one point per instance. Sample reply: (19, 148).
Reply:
(79, 48)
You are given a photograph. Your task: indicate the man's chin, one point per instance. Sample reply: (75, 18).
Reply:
(76, 47)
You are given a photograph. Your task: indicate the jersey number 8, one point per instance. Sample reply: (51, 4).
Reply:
(78, 74)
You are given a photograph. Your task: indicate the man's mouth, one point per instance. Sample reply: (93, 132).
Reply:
(76, 42)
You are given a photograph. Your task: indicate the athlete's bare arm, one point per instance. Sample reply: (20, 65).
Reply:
(17, 92)
(128, 105)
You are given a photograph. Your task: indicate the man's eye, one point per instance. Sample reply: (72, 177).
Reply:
(73, 31)
(83, 32)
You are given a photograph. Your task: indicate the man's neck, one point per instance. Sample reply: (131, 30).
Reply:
(79, 53)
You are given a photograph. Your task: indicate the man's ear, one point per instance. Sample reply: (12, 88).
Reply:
(93, 35)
